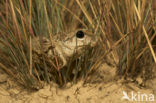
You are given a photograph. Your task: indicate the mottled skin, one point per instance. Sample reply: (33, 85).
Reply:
(65, 45)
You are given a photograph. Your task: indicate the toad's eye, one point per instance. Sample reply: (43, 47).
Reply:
(80, 34)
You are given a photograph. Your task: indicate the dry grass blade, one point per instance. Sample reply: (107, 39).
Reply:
(30, 71)
(86, 13)
(72, 14)
(15, 20)
(146, 35)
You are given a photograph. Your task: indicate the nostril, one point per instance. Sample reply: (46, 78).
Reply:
(80, 34)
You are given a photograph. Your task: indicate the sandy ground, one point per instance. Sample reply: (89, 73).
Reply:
(102, 88)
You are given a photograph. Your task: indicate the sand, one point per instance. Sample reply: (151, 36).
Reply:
(103, 88)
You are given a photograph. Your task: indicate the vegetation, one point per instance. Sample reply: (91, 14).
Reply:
(126, 31)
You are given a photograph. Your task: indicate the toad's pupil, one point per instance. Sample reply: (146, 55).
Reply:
(80, 34)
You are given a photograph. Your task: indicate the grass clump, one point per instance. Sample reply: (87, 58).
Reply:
(126, 31)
